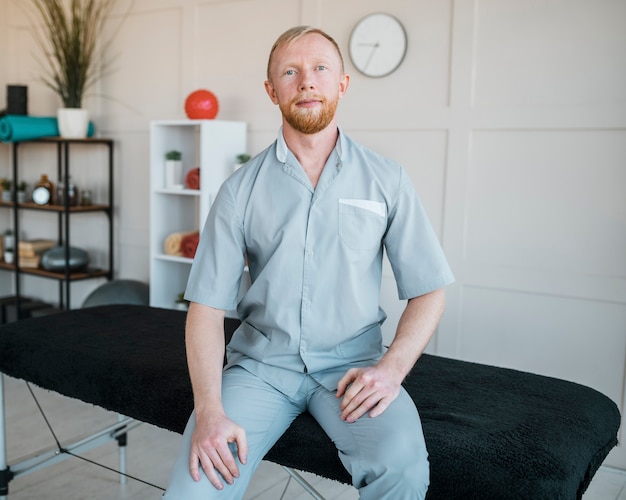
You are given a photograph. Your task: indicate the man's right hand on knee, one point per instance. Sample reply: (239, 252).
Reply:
(210, 449)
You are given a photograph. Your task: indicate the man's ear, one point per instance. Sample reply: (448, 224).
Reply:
(344, 83)
(269, 88)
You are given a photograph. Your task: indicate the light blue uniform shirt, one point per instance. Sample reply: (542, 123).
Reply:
(315, 260)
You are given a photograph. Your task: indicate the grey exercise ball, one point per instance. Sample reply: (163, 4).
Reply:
(119, 292)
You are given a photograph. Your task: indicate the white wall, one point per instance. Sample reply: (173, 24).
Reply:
(510, 116)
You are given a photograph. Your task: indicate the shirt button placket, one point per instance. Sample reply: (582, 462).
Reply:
(305, 312)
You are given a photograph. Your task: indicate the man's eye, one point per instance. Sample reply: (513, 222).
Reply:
(321, 68)
(290, 72)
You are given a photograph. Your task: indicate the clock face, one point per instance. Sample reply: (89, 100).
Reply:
(41, 195)
(378, 45)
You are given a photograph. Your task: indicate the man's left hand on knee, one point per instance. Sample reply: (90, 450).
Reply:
(370, 389)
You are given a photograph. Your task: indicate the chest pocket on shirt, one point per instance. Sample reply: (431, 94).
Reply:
(362, 223)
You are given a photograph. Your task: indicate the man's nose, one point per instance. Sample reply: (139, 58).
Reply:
(307, 81)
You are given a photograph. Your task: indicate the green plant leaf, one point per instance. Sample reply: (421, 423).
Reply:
(69, 41)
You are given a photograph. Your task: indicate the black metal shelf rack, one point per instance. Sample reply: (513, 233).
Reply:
(63, 213)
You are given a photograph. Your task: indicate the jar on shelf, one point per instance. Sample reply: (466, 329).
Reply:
(86, 198)
(72, 193)
(43, 192)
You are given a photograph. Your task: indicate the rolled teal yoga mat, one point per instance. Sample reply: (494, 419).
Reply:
(14, 128)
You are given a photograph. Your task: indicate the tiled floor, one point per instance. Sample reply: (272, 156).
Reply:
(607, 484)
(150, 454)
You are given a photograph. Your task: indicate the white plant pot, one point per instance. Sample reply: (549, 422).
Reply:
(173, 174)
(73, 123)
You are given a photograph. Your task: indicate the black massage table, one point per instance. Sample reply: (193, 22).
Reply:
(491, 433)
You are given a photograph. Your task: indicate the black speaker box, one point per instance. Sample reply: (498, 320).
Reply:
(17, 100)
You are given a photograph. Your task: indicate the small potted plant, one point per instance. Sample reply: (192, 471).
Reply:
(7, 190)
(240, 160)
(173, 169)
(21, 191)
(9, 241)
(181, 303)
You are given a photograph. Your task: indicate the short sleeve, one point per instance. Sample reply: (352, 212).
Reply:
(415, 254)
(217, 267)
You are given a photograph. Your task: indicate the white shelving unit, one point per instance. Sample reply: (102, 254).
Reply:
(211, 145)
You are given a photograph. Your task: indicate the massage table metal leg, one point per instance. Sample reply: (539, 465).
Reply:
(304, 483)
(55, 455)
(4, 466)
(122, 441)
(116, 431)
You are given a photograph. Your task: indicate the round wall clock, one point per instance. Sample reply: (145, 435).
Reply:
(378, 44)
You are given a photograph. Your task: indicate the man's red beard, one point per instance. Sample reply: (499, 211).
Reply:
(309, 120)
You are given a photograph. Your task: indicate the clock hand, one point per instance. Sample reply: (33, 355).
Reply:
(369, 59)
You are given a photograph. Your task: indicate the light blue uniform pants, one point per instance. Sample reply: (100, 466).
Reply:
(386, 455)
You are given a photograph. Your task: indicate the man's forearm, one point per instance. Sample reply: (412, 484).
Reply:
(415, 329)
(204, 339)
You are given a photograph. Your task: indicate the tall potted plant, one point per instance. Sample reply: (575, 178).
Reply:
(69, 41)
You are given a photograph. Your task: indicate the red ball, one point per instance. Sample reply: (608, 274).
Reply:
(201, 105)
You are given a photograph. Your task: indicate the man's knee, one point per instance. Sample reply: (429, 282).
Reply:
(396, 480)
(398, 470)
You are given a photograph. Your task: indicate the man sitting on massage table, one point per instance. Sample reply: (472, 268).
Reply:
(311, 214)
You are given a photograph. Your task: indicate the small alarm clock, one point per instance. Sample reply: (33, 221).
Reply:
(42, 192)
(42, 195)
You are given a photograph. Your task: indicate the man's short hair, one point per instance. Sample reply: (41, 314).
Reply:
(295, 33)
